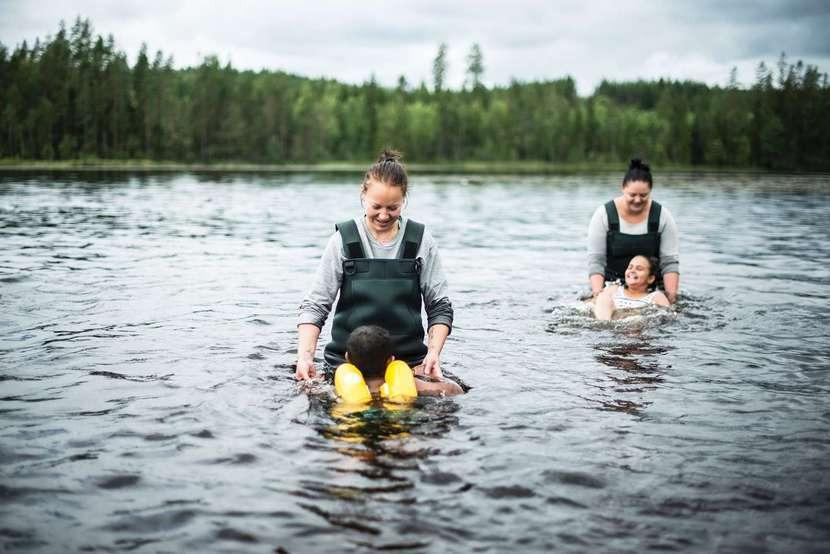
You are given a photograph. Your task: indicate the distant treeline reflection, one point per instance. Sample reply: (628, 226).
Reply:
(75, 96)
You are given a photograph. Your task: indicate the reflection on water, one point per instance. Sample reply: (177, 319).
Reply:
(632, 353)
(376, 454)
(147, 398)
(635, 368)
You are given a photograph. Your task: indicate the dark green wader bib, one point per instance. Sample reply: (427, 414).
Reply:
(379, 292)
(621, 247)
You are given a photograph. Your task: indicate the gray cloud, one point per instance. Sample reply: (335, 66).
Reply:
(751, 11)
(758, 29)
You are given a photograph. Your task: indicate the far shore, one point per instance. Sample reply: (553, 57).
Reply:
(469, 167)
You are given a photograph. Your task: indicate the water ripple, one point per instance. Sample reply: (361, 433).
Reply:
(148, 340)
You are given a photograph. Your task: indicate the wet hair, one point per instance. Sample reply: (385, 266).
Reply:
(369, 348)
(389, 170)
(638, 170)
(653, 269)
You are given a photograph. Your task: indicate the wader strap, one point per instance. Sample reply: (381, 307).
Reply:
(613, 216)
(351, 239)
(654, 217)
(411, 240)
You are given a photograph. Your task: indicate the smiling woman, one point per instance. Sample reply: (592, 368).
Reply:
(385, 268)
(629, 225)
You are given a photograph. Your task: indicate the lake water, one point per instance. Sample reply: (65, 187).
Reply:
(147, 397)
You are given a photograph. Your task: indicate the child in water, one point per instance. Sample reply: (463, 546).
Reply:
(639, 278)
(369, 348)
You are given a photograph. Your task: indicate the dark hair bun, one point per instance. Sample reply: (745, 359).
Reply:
(637, 163)
(389, 155)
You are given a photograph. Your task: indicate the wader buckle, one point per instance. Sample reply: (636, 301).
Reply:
(349, 267)
(418, 264)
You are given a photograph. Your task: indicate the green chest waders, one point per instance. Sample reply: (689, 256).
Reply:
(621, 247)
(379, 292)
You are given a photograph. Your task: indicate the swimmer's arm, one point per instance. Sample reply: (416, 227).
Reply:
(604, 303)
(442, 388)
(597, 283)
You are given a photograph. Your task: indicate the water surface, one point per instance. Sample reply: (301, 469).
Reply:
(147, 398)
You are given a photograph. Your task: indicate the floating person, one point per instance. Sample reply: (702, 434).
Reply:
(637, 293)
(386, 268)
(371, 368)
(629, 225)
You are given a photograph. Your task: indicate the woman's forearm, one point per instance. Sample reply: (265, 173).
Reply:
(307, 335)
(436, 337)
(671, 284)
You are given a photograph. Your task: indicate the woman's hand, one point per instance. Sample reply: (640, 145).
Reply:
(306, 345)
(437, 335)
(432, 366)
(305, 367)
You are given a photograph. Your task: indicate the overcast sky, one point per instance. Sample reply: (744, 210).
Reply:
(522, 39)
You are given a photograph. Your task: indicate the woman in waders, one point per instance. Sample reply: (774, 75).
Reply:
(632, 224)
(385, 267)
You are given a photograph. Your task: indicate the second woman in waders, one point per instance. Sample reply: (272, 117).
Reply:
(633, 224)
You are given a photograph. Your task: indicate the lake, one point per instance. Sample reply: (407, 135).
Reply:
(147, 343)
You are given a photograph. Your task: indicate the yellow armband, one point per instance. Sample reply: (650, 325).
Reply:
(400, 383)
(350, 386)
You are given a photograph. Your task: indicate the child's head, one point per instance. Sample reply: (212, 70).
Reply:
(369, 347)
(642, 270)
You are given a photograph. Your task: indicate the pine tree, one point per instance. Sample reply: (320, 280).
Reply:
(439, 69)
(475, 67)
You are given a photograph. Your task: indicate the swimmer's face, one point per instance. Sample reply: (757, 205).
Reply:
(636, 195)
(383, 204)
(639, 272)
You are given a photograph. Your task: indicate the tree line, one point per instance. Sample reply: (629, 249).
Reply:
(74, 95)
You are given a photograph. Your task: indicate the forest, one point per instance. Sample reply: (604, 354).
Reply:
(75, 95)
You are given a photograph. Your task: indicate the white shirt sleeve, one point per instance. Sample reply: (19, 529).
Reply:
(597, 233)
(669, 250)
(316, 305)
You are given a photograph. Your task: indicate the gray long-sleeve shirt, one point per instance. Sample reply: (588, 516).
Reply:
(598, 230)
(317, 304)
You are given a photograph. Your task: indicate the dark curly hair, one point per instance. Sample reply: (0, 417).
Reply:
(369, 347)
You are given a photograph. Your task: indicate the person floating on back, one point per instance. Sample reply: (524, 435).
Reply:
(371, 368)
(640, 277)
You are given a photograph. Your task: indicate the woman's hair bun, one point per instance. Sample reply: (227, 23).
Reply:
(388, 169)
(389, 155)
(637, 163)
